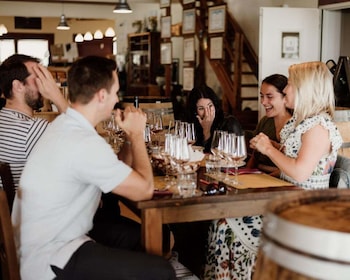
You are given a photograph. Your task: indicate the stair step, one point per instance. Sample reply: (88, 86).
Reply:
(248, 73)
(249, 98)
(249, 85)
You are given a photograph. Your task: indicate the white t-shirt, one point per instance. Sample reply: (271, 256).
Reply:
(59, 193)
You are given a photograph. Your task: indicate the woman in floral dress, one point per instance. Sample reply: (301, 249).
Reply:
(306, 158)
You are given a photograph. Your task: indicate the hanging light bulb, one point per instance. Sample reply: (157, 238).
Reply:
(88, 36)
(79, 38)
(63, 25)
(98, 34)
(122, 7)
(3, 29)
(110, 32)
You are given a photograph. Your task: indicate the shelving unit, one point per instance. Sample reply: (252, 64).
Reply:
(144, 63)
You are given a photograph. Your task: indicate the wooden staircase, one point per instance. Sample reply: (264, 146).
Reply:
(237, 71)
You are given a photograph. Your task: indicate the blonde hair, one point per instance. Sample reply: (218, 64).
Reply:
(314, 92)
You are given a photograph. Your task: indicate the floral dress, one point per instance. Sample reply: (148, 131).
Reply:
(233, 242)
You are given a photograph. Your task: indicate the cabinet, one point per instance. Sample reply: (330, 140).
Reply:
(144, 63)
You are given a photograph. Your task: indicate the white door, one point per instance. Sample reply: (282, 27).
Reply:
(287, 36)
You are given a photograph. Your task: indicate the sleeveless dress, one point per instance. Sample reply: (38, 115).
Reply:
(234, 242)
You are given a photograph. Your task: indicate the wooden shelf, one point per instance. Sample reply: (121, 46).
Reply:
(144, 62)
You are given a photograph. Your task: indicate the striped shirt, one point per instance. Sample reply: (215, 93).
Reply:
(18, 135)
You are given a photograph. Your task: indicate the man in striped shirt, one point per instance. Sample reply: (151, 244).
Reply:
(24, 82)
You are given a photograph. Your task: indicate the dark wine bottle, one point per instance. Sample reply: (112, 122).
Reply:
(136, 101)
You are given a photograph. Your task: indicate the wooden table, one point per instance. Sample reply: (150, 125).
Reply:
(164, 210)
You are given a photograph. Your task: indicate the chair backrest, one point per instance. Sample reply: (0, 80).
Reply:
(340, 176)
(7, 183)
(8, 255)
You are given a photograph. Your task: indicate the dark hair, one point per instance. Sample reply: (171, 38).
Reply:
(88, 75)
(277, 80)
(13, 68)
(199, 92)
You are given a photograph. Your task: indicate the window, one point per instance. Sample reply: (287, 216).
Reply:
(7, 48)
(36, 45)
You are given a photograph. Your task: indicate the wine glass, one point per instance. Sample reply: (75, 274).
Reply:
(218, 145)
(238, 153)
(227, 150)
(157, 123)
(190, 133)
(179, 152)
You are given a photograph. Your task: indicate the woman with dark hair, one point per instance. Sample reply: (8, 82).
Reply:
(205, 112)
(277, 114)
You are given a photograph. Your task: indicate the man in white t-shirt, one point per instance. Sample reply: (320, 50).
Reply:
(62, 182)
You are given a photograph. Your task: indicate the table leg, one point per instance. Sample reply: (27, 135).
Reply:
(152, 236)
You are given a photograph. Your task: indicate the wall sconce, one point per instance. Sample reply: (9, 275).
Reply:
(98, 34)
(122, 7)
(110, 32)
(3, 29)
(88, 36)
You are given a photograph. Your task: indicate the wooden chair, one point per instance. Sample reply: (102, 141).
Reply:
(8, 255)
(340, 176)
(7, 183)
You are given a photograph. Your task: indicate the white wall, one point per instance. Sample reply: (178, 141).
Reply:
(247, 14)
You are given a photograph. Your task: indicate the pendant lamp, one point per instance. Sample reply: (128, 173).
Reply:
(3, 29)
(122, 7)
(63, 25)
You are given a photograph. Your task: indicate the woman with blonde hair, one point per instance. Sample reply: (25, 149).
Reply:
(305, 157)
(310, 139)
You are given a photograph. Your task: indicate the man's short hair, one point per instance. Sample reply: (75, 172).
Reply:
(88, 75)
(13, 68)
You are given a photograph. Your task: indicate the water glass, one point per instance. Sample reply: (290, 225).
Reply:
(187, 184)
(212, 165)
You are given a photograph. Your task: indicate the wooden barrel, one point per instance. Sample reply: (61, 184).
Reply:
(153, 104)
(306, 235)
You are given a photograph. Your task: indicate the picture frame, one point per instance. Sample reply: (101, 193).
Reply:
(188, 78)
(165, 3)
(189, 21)
(217, 19)
(290, 48)
(165, 25)
(189, 49)
(166, 53)
(216, 47)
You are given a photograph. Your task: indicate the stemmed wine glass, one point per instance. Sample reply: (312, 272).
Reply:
(218, 145)
(190, 133)
(238, 153)
(115, 134)
(179, 152)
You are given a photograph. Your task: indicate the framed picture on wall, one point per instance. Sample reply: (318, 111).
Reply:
(165, 27)
(188, 78)
(216, 47)
(217, 19)
(290, 45)
(164, 3)
(189, 21)
(189, 48)
(166, 53)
